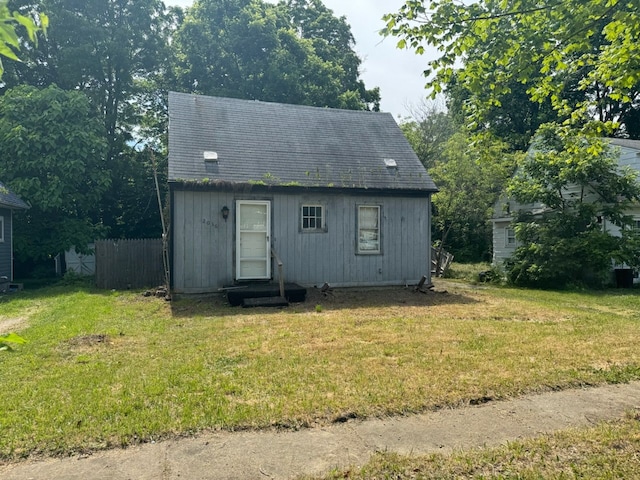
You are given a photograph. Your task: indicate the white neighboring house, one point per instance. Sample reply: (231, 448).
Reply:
(504, 240)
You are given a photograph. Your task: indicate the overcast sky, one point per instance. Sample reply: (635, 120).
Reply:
(398, 73)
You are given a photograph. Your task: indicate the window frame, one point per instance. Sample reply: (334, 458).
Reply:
(323, 218)
(377, 229)
(510, 233)
(2, 223)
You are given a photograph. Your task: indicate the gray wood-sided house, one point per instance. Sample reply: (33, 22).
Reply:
(504, 239)
(8, 203)
(338, 196)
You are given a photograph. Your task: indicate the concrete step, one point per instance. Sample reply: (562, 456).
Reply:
(265, 302)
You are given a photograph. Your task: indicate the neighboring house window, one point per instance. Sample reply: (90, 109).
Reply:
(1, 229)
(369, 229)
(312, 218)
(635, 225)
(510, 237)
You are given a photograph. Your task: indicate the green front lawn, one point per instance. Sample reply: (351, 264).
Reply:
(105, 369)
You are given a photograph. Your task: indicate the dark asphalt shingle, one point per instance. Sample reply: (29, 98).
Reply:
(284, 144)
(8, 199)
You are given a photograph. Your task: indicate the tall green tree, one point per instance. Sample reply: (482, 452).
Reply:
(429, 131)
(53, 148)
(294, 52)
(115, 52)
(470, 176)
(581, 193)
(513, 119)
(588, 49)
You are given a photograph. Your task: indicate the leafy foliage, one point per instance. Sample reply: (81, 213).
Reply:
(576, 188)
(470, 172)
(580, 56)
(429, 132)
(9, 39)
(8, 339)
(470, 176)
(295, 52)
(57, 149)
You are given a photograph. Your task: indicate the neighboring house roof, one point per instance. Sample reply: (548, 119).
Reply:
(288, 145)
(8, 199)
(504, 206)
(624, 142)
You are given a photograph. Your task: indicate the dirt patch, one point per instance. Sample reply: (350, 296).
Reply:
(9, 325)
(90, 340)
(372, 297)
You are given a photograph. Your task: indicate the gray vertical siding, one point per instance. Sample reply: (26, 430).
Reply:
(5, 247)
(203, 243)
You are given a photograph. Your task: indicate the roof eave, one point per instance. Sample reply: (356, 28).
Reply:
(246, 187)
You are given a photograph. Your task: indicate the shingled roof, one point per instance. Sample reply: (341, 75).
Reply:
(288, 145)
(8, 199)
(624, 142)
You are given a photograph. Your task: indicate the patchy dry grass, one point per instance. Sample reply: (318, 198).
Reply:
(103, 369)
(607, 451)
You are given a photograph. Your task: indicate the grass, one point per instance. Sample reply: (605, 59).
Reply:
(468, 272)
(606, 451)
(105, 369)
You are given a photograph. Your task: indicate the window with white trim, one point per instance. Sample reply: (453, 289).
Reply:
(509, 237)
(312, 218)
(1, 229)
(369, 229)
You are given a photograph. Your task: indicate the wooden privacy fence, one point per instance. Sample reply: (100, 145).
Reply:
(122, 264)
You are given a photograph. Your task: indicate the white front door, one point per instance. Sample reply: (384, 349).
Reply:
(253, 250)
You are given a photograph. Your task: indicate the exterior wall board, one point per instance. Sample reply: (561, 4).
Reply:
(203, 243)
(5, 246)
(501, 251)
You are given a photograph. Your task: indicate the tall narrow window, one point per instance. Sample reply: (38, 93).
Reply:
(369, 229)
(510, 237)
(1, 229)
(312, 218)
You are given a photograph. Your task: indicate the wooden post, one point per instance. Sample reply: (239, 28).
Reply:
(280, 274)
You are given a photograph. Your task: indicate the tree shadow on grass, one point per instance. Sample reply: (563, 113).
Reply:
(317, 301)
(51, 290)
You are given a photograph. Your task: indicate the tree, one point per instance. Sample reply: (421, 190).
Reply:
(9, 39)
(587, 49)
(470, 176)
(429, 132)
(295, 52)
(514, 120)
(115, 52)
(580, 188)
(53, 147)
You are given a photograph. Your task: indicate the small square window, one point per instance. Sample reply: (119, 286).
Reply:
(312, 218)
